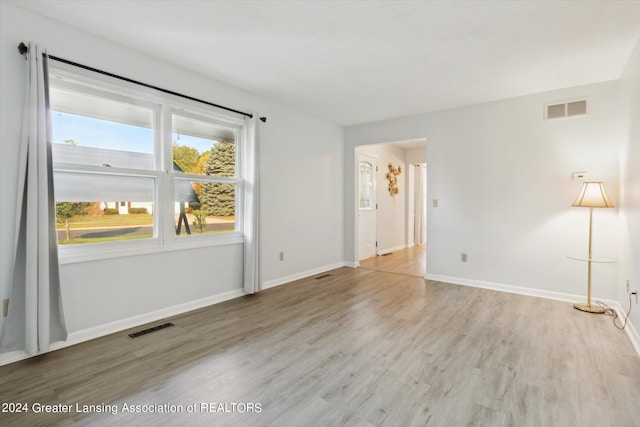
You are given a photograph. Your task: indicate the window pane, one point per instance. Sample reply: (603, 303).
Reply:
(204, 207)
(366, 185)
(97, 131)
(94, 208)
(203, 148)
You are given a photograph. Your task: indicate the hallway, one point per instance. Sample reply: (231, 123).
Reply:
(410, 261)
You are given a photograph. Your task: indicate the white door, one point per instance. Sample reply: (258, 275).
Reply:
(367, 167)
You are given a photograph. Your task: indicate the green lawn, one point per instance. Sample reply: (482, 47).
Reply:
(115, 221)
(109, 221)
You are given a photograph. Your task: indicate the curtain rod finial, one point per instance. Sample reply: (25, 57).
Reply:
(23, 48)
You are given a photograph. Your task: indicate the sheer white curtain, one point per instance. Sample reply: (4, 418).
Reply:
(251, 212)
(35, 317)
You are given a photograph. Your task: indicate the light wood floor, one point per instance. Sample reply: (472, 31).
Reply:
(360, 347)
(411, 261)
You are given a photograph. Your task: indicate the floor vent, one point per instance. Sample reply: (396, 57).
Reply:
(323, 276)
(149, 330)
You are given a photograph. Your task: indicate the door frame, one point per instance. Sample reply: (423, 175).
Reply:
(420, 175)
(355, 150)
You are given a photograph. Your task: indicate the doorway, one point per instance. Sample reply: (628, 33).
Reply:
(387, 224)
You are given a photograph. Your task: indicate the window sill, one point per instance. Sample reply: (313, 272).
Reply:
(72, 255)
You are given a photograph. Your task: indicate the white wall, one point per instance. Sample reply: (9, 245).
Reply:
(416, 156)
(502, 176)
(302, 196)
(630, 189)
(390, 216)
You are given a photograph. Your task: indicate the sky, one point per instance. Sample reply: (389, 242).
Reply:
(90, 132)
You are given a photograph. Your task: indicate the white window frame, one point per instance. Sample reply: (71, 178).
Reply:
(168, 166)
(163, 107)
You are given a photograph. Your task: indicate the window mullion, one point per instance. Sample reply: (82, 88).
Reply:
(205, 178)
(166, 181)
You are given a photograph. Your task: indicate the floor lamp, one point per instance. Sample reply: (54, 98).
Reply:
(592, 195)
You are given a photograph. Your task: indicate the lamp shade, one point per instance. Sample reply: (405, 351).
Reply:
(593, 195)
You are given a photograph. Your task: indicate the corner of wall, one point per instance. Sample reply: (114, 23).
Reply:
(629, 204)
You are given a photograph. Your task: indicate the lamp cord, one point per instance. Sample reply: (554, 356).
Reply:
(613, 313)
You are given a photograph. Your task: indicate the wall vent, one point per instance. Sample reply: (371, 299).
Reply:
(577, 108)
(566, 109)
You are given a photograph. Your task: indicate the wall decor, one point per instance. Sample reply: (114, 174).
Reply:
(392, 177)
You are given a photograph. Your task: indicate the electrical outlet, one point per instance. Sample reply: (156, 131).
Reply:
(463, 257)
(281, 256)
(578, 175)
(5, 307)
(435, 203)
(627, 285)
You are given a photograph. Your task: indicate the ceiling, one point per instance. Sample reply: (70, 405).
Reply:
(353, 62)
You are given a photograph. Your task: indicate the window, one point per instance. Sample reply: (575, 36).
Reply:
(133, 168)
(208, 150)
(366, 185)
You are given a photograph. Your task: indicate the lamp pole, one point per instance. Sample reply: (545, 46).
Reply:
(589, 262)
(588, 307)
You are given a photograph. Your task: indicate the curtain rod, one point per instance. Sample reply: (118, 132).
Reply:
(23, 49)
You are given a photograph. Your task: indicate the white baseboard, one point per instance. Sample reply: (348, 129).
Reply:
(504, 288)
(293, 277)
(78, 337)
(560, 296)
(12, 356)
(633, 335)
(397, 248)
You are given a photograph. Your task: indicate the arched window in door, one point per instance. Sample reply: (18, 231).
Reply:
(366, 185)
